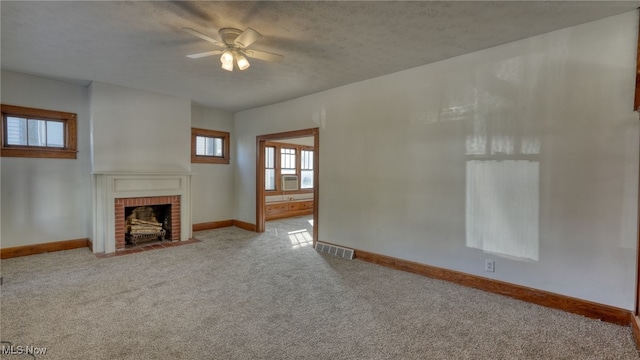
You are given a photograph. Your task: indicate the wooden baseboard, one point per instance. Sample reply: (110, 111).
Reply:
(212, 225)
(635, 326)
(17, 251)
(552, 300)
(223, 223)
(90, 244)
(244, 225)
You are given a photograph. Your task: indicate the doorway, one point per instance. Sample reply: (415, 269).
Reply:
(261, 145)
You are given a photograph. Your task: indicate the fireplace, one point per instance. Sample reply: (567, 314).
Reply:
(146, 223)
(164, 210)
(117, 193)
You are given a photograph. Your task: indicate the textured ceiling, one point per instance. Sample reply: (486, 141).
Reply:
(325, 44)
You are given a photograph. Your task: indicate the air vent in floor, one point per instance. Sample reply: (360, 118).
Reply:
(334, 250)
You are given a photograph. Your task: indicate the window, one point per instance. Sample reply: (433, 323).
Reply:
(270, 168)
(209, 146)
(306, 169)
(38, 133)
(288, 159)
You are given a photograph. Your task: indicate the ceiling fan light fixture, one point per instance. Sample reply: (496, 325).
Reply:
(227, 66)
(242, 62)
(232, 44)
(226, 57)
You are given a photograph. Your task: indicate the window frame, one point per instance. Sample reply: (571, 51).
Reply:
(210, 159)
(69, 120)
(278, 170)
(274, 168)
(302, 168)
(295, 161)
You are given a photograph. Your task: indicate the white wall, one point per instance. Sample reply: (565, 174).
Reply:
(212, 184)
(46, 200)
(139, 131)
(394, 152)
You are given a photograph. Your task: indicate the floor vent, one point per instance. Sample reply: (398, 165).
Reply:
(334, 250)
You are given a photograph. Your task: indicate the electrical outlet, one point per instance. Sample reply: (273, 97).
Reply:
(489, 265)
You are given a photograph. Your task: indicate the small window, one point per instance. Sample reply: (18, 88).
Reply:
(29, 132)
(209, 146)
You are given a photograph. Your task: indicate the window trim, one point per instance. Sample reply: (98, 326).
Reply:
(302, 149)
(274, 168)
(279, 145)
(208, 159)
(296, 160)
(70, 149)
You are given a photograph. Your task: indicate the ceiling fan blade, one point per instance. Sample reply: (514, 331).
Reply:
(247, 38)
(204, 54)
(263, 55)
(203, 37)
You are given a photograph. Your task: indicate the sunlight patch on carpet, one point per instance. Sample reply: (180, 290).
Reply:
(300, 238)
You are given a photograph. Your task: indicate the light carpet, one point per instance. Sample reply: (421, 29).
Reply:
(242, 295)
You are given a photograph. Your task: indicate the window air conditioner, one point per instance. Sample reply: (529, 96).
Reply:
(289, 182)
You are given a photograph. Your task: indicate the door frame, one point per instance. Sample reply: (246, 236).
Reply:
(636, 310)
(260, 191)
(636, 108)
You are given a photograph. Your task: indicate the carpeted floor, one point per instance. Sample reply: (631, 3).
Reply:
(241, 295)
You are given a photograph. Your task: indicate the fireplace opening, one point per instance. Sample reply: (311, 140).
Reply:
(147, 223)
(165, 210)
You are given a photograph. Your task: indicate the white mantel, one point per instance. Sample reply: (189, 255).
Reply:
(109, 186)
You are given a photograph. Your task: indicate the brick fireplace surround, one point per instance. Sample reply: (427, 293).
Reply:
(113, 191)
(121, 203)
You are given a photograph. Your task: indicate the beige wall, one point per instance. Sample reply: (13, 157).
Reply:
(212, 184)
(397, 170)
(46, 200)
(138, 131)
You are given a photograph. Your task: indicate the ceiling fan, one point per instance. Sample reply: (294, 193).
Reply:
(233, 47)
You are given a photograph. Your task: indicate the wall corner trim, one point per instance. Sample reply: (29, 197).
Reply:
(540, 297)
(635, 326)
(244, 225)
(223, 223)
